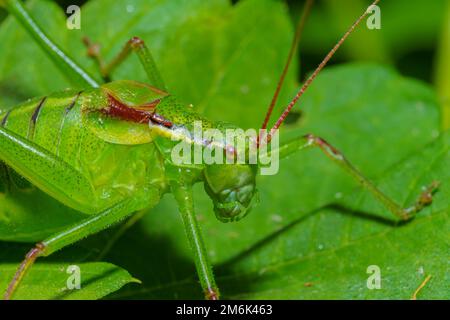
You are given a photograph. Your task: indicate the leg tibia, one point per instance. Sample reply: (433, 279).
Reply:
(136, 45)
(23, 268)
(183, 195)
(334, 154)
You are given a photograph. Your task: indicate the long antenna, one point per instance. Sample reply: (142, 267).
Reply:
(316, 72)
(294, 45)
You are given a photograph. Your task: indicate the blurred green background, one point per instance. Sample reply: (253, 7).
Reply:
(411, 37)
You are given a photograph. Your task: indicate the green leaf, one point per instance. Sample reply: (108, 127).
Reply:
(323, 254)
(186, 27)
(288, 236)
(55, 280)
(345, 108)
(225, 60)
(341, 244)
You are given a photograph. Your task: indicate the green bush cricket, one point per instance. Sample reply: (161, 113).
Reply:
(60, 141)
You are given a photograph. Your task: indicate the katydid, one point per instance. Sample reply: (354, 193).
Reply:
(64, 142)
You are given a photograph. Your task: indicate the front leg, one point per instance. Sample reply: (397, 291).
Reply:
(334, 154)
(182, 192)
(136, 45)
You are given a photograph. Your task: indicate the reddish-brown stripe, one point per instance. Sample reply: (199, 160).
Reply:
(139, 115)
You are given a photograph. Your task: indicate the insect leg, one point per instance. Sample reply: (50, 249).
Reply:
(48, 172)
(74, 72)
(184, 198)
(310, 140)
(77, 232)
(136, 45)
